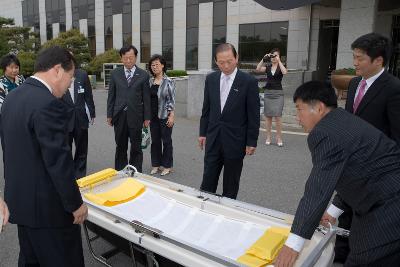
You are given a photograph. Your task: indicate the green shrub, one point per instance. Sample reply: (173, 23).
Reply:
(27, 60)
(96, 65)
(344, 71)
(176, 73)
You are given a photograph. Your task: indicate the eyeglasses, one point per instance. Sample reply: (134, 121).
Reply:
(155, 65)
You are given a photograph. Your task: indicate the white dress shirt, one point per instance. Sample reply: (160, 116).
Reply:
(71, 90)
(132, 70)
(369, 82)
(224, 95)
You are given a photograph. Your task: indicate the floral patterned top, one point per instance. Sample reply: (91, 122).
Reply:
(6, 86)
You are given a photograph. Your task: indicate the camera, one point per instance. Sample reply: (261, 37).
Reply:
(267, 58)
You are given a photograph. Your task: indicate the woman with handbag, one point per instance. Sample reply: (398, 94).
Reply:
(162, 116)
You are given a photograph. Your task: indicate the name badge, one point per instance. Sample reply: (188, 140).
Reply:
(81, 90)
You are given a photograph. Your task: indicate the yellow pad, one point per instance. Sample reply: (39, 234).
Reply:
(96, 177)
(252, 261)
(269, 244)
(125, 192)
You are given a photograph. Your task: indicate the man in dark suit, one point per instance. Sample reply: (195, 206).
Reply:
(374, 96)
(40, 187)
(128, 108)
(79, 98)
(349, 155)
(229, 123)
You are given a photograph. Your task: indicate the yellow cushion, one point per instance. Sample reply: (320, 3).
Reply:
(266, 248)
(96, 177)
(125, 192)
(252, 261)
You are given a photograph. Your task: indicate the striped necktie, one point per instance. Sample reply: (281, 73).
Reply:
(129, 75)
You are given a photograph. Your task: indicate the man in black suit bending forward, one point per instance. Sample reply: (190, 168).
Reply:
(349, 155)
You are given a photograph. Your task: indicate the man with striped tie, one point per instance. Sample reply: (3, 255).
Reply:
(373, 96)
(360, 163)
(128, 108)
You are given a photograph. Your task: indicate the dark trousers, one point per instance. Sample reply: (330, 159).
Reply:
(122, 134)
(80, 137)
(342, 248)
(161, 143)
(384, 256)
(214, 160)
(48, 247)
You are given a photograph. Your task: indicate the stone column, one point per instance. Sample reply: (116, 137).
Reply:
(42, 21)
(99, 21)
(136, 27)
(205, 35)
(68, 15)
(117, 31)
(56, 29)
(356, 18)
(83, 27)
(156, 31)
(179, 48)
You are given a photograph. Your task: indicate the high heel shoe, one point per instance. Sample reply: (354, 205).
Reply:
(279, 143)
(268, 142)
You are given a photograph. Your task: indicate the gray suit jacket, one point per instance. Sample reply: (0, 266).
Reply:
(135, 96)
(363, 166)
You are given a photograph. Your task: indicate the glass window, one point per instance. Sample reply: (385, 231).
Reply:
(168, 18)
(127, 23)
(109, 42)
(117, 6)
(145, 21)
(219, 13)
(108, 25)
(191, 57)
(168, 3)
(192, 16)
(257, 39)
(107, 8)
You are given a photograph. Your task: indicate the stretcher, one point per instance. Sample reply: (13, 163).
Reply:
(191, 227)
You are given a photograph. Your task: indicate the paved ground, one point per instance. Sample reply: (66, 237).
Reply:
(274, 177)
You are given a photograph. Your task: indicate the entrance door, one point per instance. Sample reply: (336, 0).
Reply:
(394, 64)
(327, 48)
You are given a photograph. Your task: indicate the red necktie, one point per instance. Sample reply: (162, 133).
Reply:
(360, 95)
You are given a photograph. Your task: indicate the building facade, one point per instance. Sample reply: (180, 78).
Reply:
(314, 38)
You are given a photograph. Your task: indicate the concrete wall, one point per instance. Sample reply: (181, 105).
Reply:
(42, 23)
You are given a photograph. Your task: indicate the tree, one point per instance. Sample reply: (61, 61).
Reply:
(96, 65)
(15, 39)
(74, 41)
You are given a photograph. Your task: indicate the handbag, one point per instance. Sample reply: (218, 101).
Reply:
(145, 138)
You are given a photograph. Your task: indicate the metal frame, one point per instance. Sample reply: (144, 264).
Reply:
(156, 233)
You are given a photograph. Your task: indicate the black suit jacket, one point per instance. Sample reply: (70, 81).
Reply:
(135, 96)
(40, 186)
(238, 124)
(363, 166)
(82, 94)
(380, 106)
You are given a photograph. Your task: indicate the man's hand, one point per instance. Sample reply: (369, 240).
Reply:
(80, 214)
(109, 121)
(326, 219)
(250, 150)
(286, 257)
(4, 211)
(171, 119)
(202, 142)
(91, 121)
(146, 123)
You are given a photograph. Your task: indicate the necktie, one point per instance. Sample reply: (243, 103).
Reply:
(224, 91)
(129, 75)
(360, 95)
